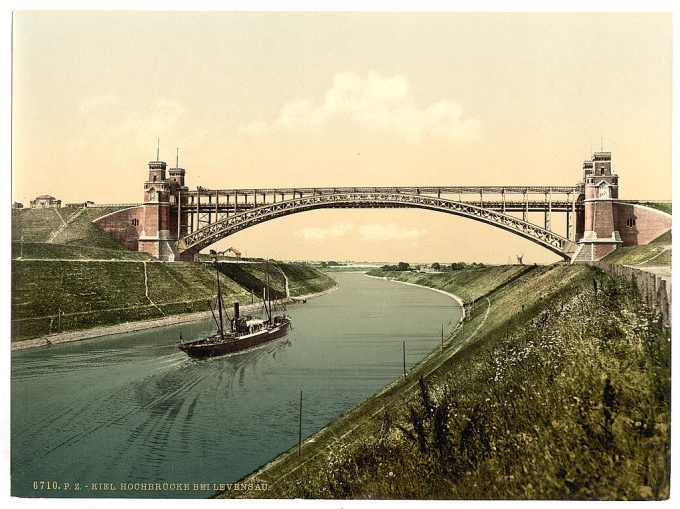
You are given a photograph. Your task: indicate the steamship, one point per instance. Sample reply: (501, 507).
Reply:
(244, 333)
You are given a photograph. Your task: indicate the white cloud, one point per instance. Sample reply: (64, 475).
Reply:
(332, 232)
(378, 103)
(389, 231)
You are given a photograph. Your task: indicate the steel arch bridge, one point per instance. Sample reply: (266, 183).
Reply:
(493, 213)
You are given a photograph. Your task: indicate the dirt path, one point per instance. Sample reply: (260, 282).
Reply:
(285, 278)
(146, 290)
(56, 232)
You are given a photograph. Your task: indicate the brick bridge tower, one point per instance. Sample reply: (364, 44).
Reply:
(600, 230)
(163, 221)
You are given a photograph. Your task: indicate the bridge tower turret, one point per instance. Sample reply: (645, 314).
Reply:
(601, 185)
(158, 235)
(179, 200)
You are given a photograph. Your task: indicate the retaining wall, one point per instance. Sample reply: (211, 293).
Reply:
(654, 288)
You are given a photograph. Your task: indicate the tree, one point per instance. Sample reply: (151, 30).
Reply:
(403, 266)
(436, 266)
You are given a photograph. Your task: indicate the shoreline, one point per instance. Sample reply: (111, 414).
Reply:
(122, 328)
(448, 294)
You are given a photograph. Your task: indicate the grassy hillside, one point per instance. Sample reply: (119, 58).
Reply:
(38, 250)
(51, 296)
(303, 280)
(556, 387)
(47, 225)
(468, 284)
(656, 253)
(253, 277)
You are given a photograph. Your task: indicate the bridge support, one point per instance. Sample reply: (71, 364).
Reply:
(609, 223)
(164, 212)
(600, 235)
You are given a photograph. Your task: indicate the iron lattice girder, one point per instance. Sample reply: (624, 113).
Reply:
(541, 190)
(510, 206)
(210, 234)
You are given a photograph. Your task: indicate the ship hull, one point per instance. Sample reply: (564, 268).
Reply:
(214, 347)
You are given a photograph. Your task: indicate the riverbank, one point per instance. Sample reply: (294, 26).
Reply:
(64, 299)
(448, 294)
(96, 332)
(556, 386)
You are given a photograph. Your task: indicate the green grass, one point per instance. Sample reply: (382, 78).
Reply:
(52, 296)
(468, 284)
(254, 276)
(86, 293)
(666, 207)
(38, 225)
(303, 280)
(656, 253)
(37, 250)
(664, 238)
(560, 389)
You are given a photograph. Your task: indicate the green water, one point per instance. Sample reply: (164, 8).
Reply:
(134, 409)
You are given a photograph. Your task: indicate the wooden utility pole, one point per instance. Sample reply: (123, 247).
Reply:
(300, 427)
(403, 345)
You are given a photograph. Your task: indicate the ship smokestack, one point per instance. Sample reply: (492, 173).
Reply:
(236, 311)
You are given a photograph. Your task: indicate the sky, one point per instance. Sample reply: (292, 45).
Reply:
(333, 99)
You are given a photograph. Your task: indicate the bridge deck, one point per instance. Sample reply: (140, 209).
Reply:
(509, 206)
(399, 189)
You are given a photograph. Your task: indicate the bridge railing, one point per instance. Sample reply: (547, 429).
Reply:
(398, 189)
(121, 205)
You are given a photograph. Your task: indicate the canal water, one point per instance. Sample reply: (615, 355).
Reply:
(133, 409)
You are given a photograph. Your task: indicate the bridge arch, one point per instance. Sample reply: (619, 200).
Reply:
(204, 237)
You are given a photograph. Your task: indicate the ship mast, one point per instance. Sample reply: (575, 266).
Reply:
(269, 295)
(219, 300)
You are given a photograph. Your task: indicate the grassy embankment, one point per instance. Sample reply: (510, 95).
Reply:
(663, 206)
(59, 287)
(47, 225)
(46, 236)
(557, 386)
(655, 254)
(41, 250)
(89, 294)
(303, 279)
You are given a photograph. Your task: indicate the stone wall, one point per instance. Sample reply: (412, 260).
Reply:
(655, 290)
(649, 223)
(125, 225)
